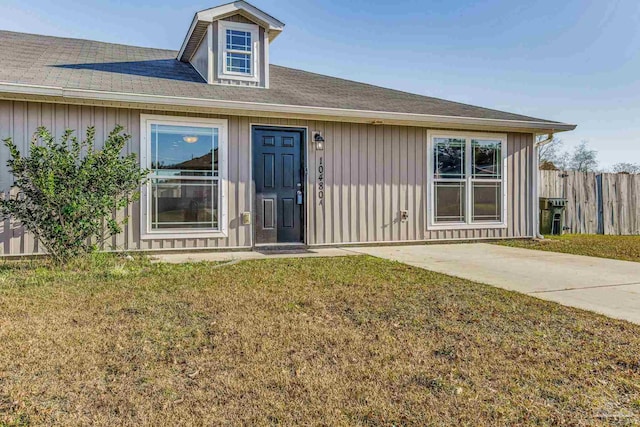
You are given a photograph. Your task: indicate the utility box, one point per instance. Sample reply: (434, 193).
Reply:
(552, 215)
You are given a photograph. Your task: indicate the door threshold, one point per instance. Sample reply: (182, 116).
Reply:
(277, 245)
(282, 248)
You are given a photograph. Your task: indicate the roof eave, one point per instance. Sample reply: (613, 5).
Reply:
(194, 22)
(174, 103)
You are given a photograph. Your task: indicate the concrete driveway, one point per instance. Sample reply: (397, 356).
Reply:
(609, 287)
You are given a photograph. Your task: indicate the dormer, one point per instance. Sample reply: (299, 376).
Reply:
(229, 44)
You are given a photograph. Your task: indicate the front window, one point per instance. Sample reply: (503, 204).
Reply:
(184, 193)
(486, 180)
(467, 181)
(450, 184)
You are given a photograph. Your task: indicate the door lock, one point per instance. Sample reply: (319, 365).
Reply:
(299, 194)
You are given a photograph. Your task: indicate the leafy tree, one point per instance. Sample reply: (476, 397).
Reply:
(623, 167)
(583, 159)
(67, 190)
(548, 166)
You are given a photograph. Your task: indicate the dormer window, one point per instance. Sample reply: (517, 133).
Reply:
(229, 44)
(238, 51)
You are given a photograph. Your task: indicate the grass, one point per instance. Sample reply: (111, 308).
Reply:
(345, 341)
(626, 248)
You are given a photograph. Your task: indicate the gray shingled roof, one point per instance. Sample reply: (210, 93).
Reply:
(84, 64)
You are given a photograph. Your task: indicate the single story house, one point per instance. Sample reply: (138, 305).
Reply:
(244, 153)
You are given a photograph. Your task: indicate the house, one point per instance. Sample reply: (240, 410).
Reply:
(245, 153)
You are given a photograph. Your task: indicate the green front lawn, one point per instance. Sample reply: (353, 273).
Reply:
(345, 341)
(625, 248)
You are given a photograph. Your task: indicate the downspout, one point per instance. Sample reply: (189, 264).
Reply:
(536, 175)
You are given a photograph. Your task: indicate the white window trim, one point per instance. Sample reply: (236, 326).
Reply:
(223, 26)
(146, 120)
(469, 224)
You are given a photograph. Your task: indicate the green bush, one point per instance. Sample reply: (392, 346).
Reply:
(68, 190)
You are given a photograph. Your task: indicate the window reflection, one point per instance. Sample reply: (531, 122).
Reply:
(467, 175)
(185, 178)
(449, 158)
(486, 158)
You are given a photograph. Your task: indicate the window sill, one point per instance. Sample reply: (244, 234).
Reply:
(242, 77)
(197, 234)
(475, 226)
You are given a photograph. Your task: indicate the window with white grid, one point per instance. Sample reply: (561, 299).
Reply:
(238, 51)
(467, 186)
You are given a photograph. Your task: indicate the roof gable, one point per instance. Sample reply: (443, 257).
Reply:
(272, 26)
(243, 8)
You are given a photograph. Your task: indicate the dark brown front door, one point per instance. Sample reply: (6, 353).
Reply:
(278, 174)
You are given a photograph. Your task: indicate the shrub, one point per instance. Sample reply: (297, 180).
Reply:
(68, 190)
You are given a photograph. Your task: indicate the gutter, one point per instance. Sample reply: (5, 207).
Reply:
(70, 94)
(536, 176)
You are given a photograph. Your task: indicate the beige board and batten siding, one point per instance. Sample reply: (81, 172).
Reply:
(20, 119)
(238, 18)
(371, 173)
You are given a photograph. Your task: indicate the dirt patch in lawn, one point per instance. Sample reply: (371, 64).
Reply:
(625, 248)
(344, 341)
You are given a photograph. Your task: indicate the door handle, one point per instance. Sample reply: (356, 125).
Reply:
(299, 197)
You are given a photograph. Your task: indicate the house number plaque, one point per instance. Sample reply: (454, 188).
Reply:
(321, 180)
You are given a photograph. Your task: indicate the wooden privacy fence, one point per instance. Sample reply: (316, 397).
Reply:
(604, 203)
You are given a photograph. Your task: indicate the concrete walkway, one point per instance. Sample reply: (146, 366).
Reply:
(609, 287)
(178, 258)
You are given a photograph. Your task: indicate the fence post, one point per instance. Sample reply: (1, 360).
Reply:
(599, 201)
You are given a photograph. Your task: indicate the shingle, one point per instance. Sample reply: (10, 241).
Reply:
(85, 64)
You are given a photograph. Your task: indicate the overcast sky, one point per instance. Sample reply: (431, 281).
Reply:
(575, 61)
